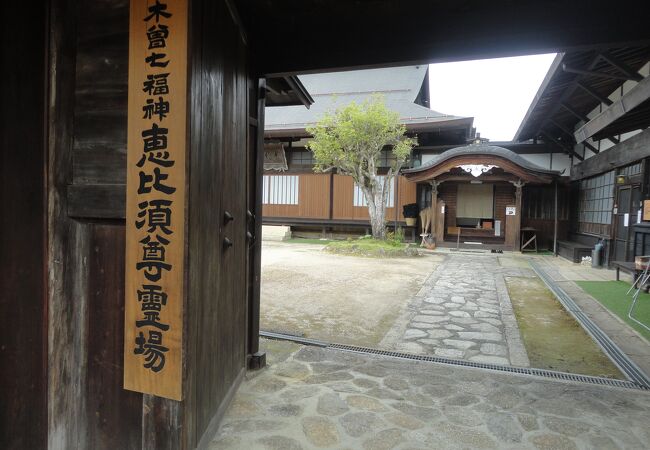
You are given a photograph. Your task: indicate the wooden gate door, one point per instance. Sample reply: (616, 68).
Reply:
(233, 200)
(628, 200)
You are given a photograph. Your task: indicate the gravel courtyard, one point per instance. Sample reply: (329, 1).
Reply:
(343, 299)
(448, 305)
(445, 304)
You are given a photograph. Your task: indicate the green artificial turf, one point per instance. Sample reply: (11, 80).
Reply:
(611, 294)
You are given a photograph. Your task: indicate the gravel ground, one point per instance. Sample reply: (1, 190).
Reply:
(337, 298)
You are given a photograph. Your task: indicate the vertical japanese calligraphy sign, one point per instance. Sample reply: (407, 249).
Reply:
(155, 204)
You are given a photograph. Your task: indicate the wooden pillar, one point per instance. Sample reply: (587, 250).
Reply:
(518, 187)
(440, 222)
(23, 292)
(434, 208)
(555, 219)
(256, 359)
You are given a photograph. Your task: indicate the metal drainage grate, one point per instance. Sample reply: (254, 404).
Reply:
(618, 357)
(292, 338)
(458, 362)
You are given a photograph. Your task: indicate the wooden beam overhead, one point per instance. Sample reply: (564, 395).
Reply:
(637, 95)
(300, 91)
(620, 66)
(593, 93)
(627, 152)
(566, 94)
(569, 133)
(591, 73)
(575, 113)
(566, 149)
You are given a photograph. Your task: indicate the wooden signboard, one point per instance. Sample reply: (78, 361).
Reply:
(155, 206)
(646, 210)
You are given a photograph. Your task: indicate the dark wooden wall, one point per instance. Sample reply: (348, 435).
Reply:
(217, 289)
(87, 174)
(88, 78)
(23, 314)
(538, 211)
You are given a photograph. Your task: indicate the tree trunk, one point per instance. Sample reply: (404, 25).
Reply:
(377, 211)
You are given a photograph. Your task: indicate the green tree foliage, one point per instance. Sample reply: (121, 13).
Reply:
(351, 140)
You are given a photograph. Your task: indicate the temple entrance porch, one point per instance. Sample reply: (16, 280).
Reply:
(478, 193)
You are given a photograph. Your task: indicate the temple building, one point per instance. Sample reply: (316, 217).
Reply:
(474, 205)
(482, 194)
(296, 196)
(594, 107)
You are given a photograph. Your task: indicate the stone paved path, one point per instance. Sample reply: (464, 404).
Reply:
(310, 398)
(463, 311)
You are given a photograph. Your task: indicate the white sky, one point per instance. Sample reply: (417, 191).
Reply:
(496, 92)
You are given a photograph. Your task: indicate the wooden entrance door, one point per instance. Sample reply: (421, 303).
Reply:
(628, 200)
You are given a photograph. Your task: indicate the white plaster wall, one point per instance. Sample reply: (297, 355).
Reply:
(427, 158)
(560, 161)
(539, 159)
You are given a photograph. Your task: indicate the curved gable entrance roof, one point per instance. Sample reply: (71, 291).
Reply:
(485, 154)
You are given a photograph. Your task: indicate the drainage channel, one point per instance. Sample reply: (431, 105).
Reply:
(458, 362)
(618, 357)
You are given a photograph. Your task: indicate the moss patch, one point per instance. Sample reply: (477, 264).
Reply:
(553, 339)
(373, 248)
(513, 262)
(612, 295)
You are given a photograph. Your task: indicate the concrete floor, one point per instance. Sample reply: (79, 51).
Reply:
(310, 397)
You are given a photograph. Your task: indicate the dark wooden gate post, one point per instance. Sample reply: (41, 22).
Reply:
(257, 359)
(23, 293)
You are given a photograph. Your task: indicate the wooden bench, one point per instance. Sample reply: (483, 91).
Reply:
(573, 251)
(625, 266)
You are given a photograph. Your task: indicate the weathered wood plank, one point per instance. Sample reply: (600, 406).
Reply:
(635, 148)
(98, 166)
(637, 95)
(67, 247)
(99, 201)
(162, 424)
(114, 414)
(217, 330)
(101, 77)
